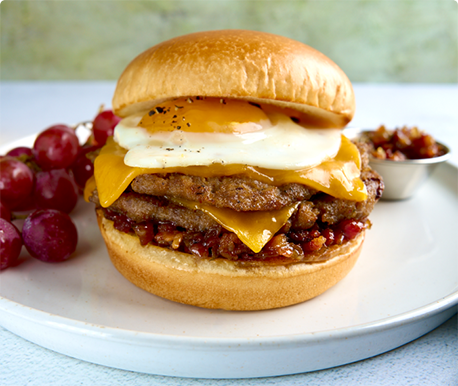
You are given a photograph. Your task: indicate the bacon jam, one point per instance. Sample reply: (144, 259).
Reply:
(402, 144)
(286, 246)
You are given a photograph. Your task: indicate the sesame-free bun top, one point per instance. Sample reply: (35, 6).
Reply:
(256, 66)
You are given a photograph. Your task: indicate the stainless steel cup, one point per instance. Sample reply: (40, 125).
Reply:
(402, 178)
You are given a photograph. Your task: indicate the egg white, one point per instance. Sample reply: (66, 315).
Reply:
(278, 143)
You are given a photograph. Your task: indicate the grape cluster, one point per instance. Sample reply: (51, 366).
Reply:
(45, 181)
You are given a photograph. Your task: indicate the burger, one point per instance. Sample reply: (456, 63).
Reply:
(228, 183)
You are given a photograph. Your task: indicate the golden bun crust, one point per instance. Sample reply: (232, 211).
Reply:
(222, 284)
(256, 66)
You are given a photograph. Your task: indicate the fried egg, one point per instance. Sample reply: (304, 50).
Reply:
(206, 131)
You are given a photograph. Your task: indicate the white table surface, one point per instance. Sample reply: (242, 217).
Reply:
(29, 107)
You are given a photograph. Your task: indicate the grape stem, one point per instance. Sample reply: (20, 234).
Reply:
(15, 216)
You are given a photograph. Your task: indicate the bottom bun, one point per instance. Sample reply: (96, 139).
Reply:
(221, 283)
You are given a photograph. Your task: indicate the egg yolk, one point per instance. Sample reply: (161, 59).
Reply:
(204, 115)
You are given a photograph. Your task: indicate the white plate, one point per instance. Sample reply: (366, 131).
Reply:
(404, 285)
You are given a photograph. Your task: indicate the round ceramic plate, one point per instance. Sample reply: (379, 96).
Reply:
(404, 284)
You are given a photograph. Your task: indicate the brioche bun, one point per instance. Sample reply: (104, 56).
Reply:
(220, 283)
(281, 74)
(256, 66)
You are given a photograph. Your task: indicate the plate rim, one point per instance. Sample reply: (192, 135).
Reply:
(146, 338)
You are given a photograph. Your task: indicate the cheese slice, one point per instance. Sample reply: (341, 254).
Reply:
(254, 229)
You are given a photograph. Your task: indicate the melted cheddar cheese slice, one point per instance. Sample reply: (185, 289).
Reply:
(254, 229)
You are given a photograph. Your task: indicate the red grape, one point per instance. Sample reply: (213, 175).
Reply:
(18, 151)
(5, 213)
(26, 205)
(10, 243)
(55, 189)
(103, 126)
(49, 235)
(56, 147)
(83, 168)
(16, 181)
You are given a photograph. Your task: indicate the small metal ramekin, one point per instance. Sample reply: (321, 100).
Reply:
(402, 178)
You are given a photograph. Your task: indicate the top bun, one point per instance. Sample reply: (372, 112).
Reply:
(257, 66)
